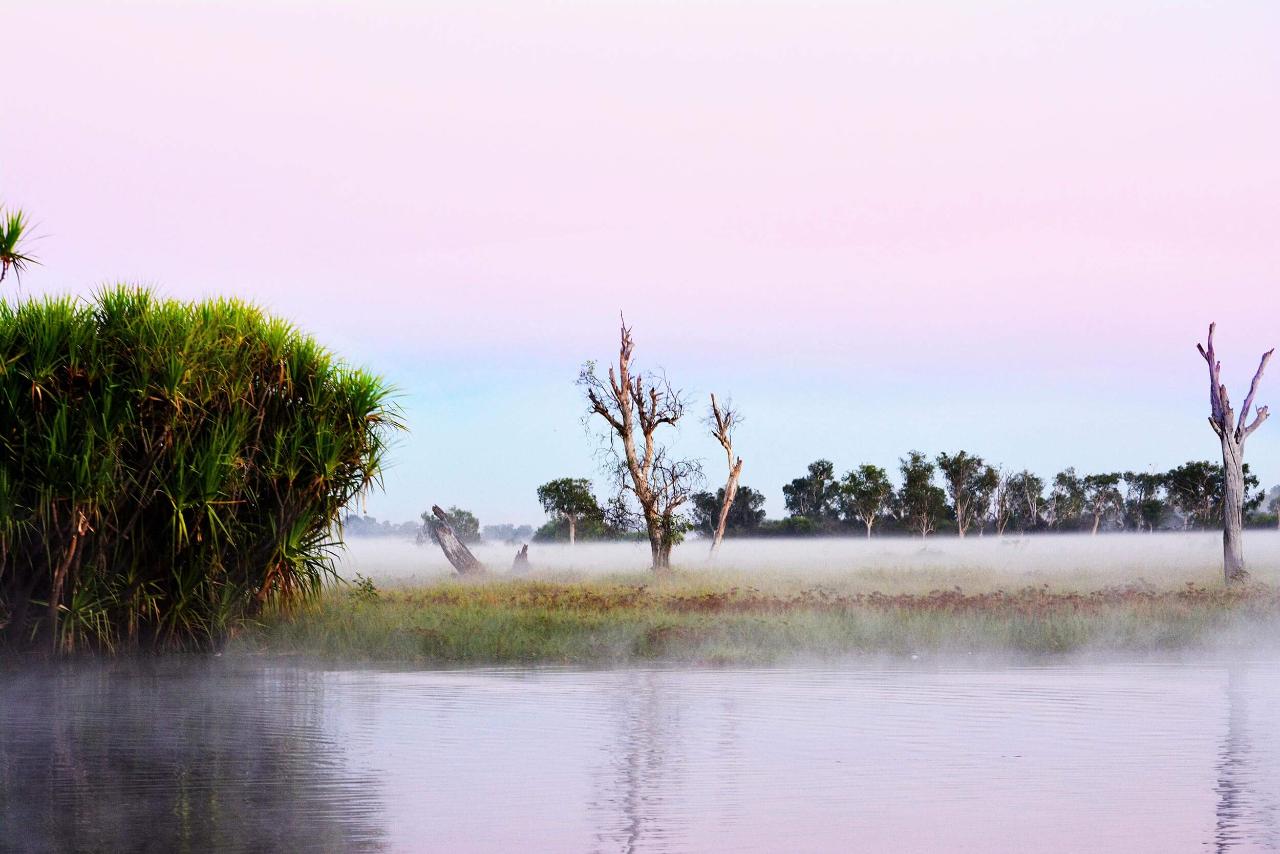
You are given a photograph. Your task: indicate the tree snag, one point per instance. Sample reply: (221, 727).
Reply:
(635, 406)
(520, 566)
(1232, 434)
(722, 423)
(457, 553)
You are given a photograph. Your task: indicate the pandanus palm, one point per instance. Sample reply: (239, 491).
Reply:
(13, 234)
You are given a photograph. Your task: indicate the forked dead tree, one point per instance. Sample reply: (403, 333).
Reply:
(635, 406)
(1232, 433)
(722, 423)
(457, 553)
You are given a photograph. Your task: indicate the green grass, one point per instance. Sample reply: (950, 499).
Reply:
(706, 618)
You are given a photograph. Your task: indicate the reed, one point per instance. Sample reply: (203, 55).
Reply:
(167, 468)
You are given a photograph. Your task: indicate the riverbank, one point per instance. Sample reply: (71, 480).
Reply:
(719, 619)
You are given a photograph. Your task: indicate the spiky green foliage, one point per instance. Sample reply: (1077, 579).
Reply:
(167, 468)
(13, 230)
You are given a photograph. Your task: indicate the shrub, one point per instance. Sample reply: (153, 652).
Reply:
(167, 468)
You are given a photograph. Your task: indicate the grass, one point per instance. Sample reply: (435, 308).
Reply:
(717, 618)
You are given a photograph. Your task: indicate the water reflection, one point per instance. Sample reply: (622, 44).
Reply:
(1247, 796)
(193, 754)
(176, 755)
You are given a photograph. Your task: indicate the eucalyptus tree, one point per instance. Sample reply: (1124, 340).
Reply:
(1002, 501)
(723, 421)
(967, 476)
(1232, 434)
(1144, 500)
(814, 496)
(1102, 497)
(1066, 499)
(570, 499)
(866, 495)
(746, 515)
(13, 239)
(635, 406)
(1026, 497)
(922, 503)
(1195, 491)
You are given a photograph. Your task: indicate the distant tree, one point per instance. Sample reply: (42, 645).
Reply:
(1002, 501)
(921, 502)
(965, 476)
(1196, 490)
(635, 406)
(1066, 500)
(814, 496)
(1026, 495)
(354, 526)
(569, 498)
(746, 514)
(1102, 497)
(1273, 503)
(723, 421)
(1144, 501)
(506, 533)
(982, 495)
(13, 240)
(865, 495)
(1232, 435)
(466, 527)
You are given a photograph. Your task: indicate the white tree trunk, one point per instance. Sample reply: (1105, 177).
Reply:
(730, 493)
(1232, 433)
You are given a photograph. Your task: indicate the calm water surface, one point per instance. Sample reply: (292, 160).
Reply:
(194, 754)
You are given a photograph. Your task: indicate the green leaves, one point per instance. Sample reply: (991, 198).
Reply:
(13, 232)
(208, 448)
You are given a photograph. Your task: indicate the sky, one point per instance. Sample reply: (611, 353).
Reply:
(878, 226)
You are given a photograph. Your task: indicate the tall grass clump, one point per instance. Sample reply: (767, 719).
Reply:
(167, 468)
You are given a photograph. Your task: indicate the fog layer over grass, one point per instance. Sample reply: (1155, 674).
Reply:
(886, 565)
(765, 601)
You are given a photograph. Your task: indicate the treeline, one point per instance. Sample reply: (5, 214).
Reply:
(953, 494)
(962, 494)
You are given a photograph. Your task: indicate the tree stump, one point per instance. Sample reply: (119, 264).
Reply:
(520, 566)
(458, 554)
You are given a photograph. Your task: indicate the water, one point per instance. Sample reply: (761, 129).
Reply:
(237, 754)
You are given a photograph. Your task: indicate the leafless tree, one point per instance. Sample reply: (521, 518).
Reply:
(722, 423)
(1232, 434)
(635, 406)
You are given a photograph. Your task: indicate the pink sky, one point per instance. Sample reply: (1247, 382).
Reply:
(881, 225)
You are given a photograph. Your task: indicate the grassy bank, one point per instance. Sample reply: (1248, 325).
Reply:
(711, 619)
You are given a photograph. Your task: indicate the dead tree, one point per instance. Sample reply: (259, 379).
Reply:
(1232, 434)
(635, 406)
(520, 566)
(722, 423)
(457, 553)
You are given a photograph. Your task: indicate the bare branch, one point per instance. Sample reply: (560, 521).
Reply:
(1253, 390)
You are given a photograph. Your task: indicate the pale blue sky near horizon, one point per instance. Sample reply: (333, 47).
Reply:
(999, 226)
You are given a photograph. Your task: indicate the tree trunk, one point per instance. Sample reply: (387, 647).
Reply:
(1097, 520)
(869, 524)
(1232, 434)
(730, 492)
(457, 553)
(659, 543)
(1233, 511)
(573, 527)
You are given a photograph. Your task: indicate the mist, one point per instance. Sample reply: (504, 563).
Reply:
(1161, 559)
